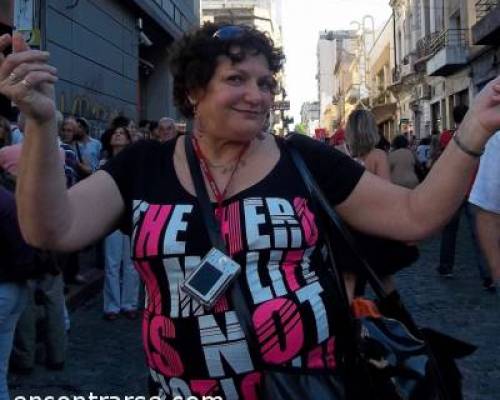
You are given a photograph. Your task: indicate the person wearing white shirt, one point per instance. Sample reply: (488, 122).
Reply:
(485, 195)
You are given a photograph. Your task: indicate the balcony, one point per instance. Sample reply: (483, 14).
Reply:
(486, 31)
(407, 65)
(449, 50)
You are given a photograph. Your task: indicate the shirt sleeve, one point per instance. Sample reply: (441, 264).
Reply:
(125, 169)
(336, 173)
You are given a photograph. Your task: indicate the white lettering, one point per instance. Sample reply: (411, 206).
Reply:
(253, 219)
(311, 294)
(171, 244)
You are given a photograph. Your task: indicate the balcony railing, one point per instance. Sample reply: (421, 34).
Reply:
(424, 45)
(449, 38)
(483, 7)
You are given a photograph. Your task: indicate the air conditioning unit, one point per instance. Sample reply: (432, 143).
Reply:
(406, 69)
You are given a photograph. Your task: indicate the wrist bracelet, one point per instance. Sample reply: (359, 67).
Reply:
(465, 149)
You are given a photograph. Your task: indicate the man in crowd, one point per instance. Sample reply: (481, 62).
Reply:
(16, 266)
(485, 195)
(449, 235)
(166, 129)
(88, 149)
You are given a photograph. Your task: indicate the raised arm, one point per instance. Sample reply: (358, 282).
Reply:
(379, 207)
(50, 216)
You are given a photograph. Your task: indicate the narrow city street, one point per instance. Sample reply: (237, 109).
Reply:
(106, 357)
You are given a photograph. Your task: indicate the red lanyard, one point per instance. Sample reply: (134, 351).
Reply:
(219, 196)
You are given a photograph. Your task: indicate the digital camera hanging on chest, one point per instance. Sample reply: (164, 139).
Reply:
(211, 278)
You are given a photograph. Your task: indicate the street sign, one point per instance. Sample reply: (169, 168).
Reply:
(280, 105)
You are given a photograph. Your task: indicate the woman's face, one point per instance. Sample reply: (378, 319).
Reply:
(236, 101)
(68, 131)
(119, 138)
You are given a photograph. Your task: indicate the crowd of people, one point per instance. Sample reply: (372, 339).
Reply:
(224, 80)
(406, 162)
(46, 276)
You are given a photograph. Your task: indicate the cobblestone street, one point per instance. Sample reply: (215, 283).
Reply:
(106, 358)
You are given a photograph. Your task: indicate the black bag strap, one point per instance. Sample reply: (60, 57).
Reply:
(215, 235)
(318, 195)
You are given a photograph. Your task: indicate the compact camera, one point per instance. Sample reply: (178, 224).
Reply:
(211, 278)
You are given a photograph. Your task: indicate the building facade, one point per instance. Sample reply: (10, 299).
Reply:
(382, 102)
(445, 52)
(338, 81)
(310, 116)
(111, 55)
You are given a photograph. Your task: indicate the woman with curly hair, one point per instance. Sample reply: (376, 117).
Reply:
(224, 78)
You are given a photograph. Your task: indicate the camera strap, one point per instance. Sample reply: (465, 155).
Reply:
(216, 238)
(206, 208)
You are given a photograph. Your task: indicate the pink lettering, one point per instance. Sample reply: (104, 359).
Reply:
(231, 227)
(279, 330)
(250, 386)
(154, 295)
(204, 387)
(289, 267)
(163, 356)
(307, 222)
(148, 238)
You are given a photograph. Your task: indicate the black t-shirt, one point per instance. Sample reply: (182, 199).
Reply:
(270, 230)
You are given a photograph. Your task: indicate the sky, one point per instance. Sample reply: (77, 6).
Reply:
(302, 22)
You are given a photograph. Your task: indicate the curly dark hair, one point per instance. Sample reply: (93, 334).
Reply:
(106, 139)
(193, 59)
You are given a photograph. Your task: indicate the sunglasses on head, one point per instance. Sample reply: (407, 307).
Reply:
(229, 32)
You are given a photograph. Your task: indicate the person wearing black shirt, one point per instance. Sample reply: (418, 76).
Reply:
(224, 78)
(16, 267)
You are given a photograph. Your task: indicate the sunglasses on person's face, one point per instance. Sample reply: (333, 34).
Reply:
(229, 32)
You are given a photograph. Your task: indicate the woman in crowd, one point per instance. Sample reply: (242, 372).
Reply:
(402, 163)
(362, 138)
(224, 78)
(121, 280)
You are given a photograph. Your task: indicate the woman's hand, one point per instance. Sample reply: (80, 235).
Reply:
(485, 110)
(27, 79)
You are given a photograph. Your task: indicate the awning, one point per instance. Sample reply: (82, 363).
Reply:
(384, 112)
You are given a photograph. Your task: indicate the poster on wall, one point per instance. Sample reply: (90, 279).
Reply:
(6, 17)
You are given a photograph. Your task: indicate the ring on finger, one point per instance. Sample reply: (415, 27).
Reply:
(13, 77)
(26, 83)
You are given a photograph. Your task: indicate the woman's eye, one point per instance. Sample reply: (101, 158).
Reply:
(235, 79)
(266, 86)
